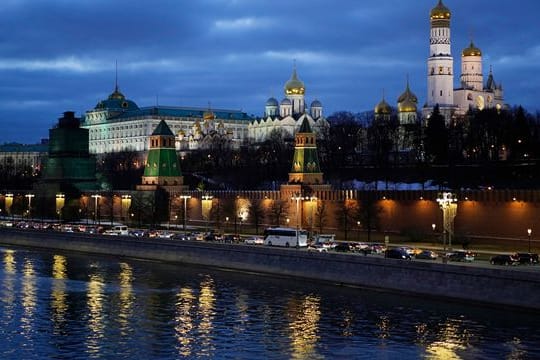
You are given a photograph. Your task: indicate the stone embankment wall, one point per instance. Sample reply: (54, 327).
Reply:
(498, 286)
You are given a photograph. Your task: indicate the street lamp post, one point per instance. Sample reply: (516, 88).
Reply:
(96, 202)
(185, 198)
(207, 206)
(448, 204)
(529, 232)
(297, 197)
(226, 223)
(60, 201)
(125, 205)
(358, 223)
(29, 196)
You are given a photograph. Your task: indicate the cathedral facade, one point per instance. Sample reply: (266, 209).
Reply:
(287, 116)
(471, 93)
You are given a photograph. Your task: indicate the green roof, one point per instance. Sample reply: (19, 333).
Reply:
(163, 129)
(305, 127)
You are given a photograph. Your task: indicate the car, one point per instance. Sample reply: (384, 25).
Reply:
(254, 240)
(407, 249)
(505, 259)
(317, 247)
(378, 248)
(463, 256)
(343, 247)
(427, 255)
(397, 254)
(230, 238)
(528, 258)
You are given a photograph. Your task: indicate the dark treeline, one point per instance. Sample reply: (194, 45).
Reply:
(483, 148)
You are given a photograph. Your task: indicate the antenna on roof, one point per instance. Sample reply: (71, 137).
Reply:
(116, 75)
(157, 99)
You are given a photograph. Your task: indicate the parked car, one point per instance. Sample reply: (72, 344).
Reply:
(465, 256)
(378, 248)
(505, 259)
(254, 240)
(427, 255)
(343, 247)
(528, 258)
(397, 254)
(317, 247)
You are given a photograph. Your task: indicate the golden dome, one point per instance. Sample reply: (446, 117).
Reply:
(208, 115)
(294, 86)
(471, 51)
(407, 106)
(408, 95)
(383, 108)
(440, 12)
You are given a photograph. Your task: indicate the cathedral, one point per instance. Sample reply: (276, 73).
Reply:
(472, 93)
(288, 116)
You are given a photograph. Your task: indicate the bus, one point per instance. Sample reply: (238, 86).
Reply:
(278, 236)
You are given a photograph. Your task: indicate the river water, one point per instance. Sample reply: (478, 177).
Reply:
(66, 306)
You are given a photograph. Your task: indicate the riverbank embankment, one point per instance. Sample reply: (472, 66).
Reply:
(496, 286)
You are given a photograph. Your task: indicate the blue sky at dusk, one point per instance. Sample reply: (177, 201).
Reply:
(59, 55)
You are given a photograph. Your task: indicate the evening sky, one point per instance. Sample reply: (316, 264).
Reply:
(59, 55)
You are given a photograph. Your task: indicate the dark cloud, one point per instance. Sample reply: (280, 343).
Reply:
(59, 55)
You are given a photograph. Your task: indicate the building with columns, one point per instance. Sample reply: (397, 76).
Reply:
(288, 116)
(118, 124)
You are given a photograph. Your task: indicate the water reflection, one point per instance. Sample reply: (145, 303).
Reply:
(185, 300)
(206, 313)
(95, 300)
(58, 293)
(304, 316)
(8, 287)
(59, 306)
(29, 298)
(126, 298)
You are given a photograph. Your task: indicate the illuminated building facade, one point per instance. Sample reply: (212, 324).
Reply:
(287, 117)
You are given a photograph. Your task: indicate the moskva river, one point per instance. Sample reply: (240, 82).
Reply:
(66, 306)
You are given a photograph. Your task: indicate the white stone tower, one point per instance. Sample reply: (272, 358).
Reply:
(440, 63)
(471, 68)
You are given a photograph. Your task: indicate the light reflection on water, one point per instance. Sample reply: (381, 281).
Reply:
(75, 307)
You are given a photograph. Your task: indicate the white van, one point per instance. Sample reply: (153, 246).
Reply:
(118, 230)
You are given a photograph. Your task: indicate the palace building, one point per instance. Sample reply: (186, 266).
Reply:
(118, 124)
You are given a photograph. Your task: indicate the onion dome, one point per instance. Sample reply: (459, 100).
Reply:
(316, 103)
(440, 12)
(383, 108)
(471, 51)
(286, 102)
(407, 95)
(407, 106)
(208, 115)
(294, 86)
(181, 133)
(272, 102)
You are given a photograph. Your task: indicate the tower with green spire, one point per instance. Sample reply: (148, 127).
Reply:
(305, 166)
(162, 168)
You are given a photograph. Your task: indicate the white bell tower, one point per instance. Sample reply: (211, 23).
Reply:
(440, 64)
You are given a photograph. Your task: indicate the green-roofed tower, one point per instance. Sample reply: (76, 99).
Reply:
(162, 168)
(305, 166)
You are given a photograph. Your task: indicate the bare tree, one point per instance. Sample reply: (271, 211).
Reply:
(277, 210)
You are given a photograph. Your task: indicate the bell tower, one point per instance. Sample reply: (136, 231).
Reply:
(440, 63)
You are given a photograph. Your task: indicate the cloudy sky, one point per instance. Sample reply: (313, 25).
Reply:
(58, 55)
